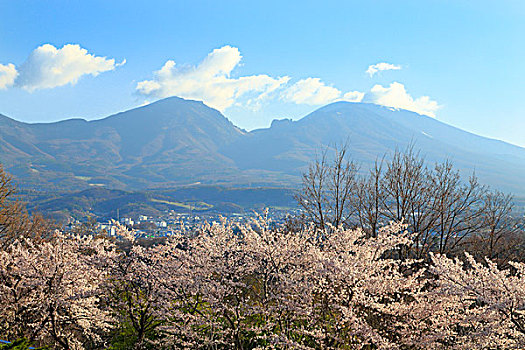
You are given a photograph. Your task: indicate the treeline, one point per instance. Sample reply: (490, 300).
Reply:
(313, 285)
(448, 214)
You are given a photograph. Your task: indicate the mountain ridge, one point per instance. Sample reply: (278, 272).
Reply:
(177, 142)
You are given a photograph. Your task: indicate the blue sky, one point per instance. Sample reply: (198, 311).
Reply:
(459, 61)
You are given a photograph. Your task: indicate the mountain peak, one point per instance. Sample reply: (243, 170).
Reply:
(177, 102)
(281, 122)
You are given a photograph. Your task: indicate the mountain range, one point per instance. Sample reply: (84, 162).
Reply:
(174, 142)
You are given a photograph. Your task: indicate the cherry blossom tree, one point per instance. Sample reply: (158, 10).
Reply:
(232, 285)
(49, 291)
(248, 286)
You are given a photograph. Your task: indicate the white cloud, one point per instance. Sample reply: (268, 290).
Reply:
(313, 91)
(373, 69)
(8, 75)
(396, 96)
(48, 67)
(210, 81)
(353, 96)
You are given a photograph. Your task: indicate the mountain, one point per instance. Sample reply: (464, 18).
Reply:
(206, 199)
(178, 142)
(372, 131)
(170, 141)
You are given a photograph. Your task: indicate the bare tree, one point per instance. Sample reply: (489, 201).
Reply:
(404, 183)
(14, 218)
(369, 199)
(407, 196)
(7, 207)
(458, 207)
(498, 238)
(445, 213)
(327, 189)
(312, 197)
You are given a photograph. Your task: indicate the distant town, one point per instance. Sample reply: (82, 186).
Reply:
(171, 222)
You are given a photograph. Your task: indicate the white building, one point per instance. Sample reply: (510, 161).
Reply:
(127, 221)
(110, 229)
